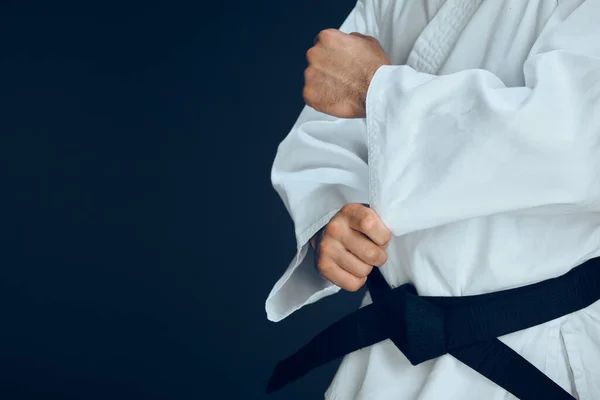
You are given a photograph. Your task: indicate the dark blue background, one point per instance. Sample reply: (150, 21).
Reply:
(139, 231)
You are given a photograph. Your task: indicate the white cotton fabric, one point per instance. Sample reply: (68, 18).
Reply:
(481, 152)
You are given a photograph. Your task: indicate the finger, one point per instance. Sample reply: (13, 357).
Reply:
(353, 264)
(366, 221)
(365, 249)
(339, 276)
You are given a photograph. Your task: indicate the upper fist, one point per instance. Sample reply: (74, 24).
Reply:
(340, 69)
(348, 247)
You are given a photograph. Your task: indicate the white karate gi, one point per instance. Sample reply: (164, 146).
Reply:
(483, 149)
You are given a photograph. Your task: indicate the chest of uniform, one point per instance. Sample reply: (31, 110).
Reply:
(446, 36)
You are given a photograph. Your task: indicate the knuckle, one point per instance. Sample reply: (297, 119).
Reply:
(326, 34)
(349, 208)
(346, 208)
(335, 228)
(307, 94)
(375, 256)
(310, 54)
(368, 223)
(309, 73)
(371, 255)
(324, 266)
(374, 253)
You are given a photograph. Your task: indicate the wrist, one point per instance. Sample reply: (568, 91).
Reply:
(368, 80)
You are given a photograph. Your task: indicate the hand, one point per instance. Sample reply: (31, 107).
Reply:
(339, 72)
(350, 245)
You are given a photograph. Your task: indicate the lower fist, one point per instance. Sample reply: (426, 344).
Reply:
(350, 245)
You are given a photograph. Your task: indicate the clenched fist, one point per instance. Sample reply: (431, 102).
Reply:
(348, 247)
(340, 69)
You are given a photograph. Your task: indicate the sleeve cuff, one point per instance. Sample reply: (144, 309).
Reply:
(301, 284)
(374, 104)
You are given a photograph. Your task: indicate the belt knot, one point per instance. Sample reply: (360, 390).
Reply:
(415, 326)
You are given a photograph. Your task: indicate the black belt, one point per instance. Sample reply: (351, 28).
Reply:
(425, 327)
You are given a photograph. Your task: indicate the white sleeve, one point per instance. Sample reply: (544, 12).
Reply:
(319, 167)
(459, 146)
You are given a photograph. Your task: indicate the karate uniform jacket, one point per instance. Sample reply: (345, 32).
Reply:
(480, 151)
